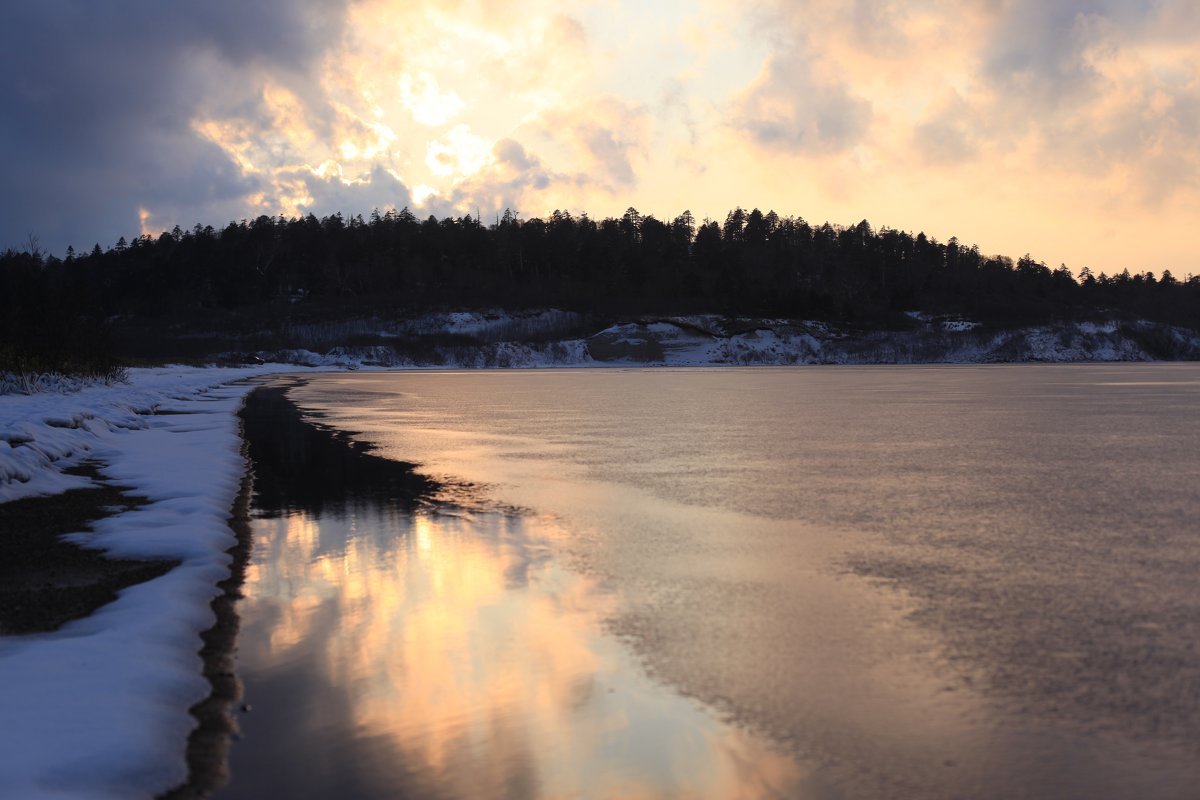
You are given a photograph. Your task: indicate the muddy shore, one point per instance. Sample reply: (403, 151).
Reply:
(47, 581)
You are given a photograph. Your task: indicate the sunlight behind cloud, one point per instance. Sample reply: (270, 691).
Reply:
(421, 193)
(458, 154)
(415, 90)
(428, 105)
(146, 222)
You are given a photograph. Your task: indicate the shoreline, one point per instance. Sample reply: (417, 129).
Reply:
(269, 415)
(48, 584)
(208, 744)
(136, 665)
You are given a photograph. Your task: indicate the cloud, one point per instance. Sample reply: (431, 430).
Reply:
(331, 193)
(947, 135)
(600, 143)
(459, 153)
(514, 178)
(542, 50)
(813, 94)
(604, 138)
(1034, 53)
(423, 90)
(1100, 86)
(99, 99)
(1084, 90)
(786, 108)
(429, 105)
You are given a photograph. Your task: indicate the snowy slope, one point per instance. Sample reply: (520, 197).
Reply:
(551, 337)
(709, 340)
(99, 707)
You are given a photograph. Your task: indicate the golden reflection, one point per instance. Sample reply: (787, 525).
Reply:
(459, 642)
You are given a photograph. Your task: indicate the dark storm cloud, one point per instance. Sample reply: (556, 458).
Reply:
(98, 100)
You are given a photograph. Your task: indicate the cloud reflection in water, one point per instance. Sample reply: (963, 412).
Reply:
(393, 652)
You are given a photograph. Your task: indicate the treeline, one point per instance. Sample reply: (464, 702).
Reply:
(750, 264)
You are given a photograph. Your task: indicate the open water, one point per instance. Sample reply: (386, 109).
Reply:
(729, 583)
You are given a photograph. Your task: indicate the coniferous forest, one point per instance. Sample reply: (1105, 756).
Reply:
(79, 310)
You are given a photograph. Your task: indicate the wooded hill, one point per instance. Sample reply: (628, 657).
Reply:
(57, 310)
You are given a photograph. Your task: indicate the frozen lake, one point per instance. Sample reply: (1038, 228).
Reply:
(785, 582)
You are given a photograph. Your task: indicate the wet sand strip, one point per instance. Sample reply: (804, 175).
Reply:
(46, 581)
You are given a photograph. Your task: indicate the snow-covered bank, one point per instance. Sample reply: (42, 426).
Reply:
(99, 708)
(553, 339)
(711, 340)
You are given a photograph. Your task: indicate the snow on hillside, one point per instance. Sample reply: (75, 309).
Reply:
(99, 708)
(686, 341)
(553, 338)
(491, 326)
(497, 355)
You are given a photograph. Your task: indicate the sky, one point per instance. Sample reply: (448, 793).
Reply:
(1069, 130)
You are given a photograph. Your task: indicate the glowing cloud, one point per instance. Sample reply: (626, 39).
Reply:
(428, 105)
(458, 154)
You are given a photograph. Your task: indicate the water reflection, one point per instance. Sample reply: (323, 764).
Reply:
(315, 469)
(390, 648)
(929, 582)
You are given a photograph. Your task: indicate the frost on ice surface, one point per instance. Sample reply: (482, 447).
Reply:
(99, 708)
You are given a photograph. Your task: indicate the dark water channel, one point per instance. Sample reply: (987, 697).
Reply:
(812, 583)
